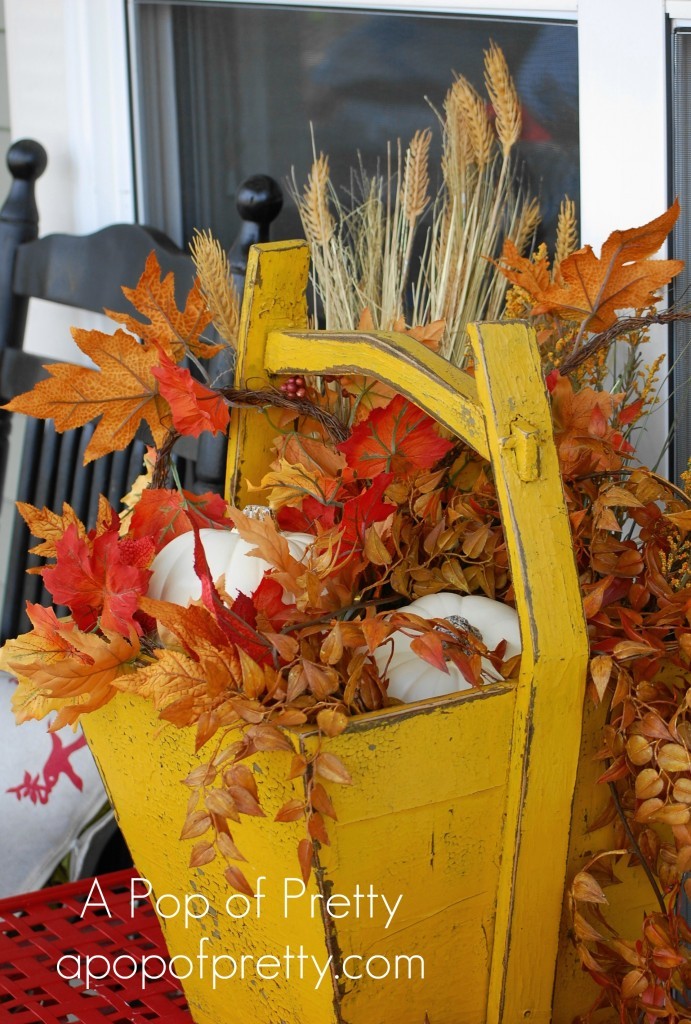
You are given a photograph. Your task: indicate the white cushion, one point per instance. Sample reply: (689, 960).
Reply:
(50, 790)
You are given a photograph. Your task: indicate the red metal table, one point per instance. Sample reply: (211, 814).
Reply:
(37, 929)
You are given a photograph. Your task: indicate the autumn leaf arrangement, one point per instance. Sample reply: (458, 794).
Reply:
(370, 506)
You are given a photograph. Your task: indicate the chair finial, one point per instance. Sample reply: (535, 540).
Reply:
(27, 160)
(259, 200)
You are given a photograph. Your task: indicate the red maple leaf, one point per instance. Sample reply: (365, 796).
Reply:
(100, 578)
(162, 514)
(399, 438)
(303, 519)
(268, 602)
(366, 508)
(47, 625)
(243, 606)
(194, 407)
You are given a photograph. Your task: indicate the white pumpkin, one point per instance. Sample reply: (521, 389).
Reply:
(411, 678)
(174, 579)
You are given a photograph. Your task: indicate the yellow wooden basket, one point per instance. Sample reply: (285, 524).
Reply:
(471, 808)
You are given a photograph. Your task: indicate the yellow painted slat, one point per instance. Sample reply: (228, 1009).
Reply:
(442, 390)
(274, 298)
(144, 765)
(547, 728)
(429, 828)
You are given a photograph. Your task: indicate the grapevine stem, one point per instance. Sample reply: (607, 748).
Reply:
(634, 843)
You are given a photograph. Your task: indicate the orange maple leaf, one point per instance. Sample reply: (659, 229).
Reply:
(181, 687)
(61, 669)
(49, 640)
(317, 457)
(175, 330)
(530, 275)
(195, 626)
(49, 526)
(429, 335)
(592, 290)
(194, 407)
(122, 392)
(201, 629)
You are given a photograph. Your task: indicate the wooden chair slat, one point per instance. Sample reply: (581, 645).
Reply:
(60, 268)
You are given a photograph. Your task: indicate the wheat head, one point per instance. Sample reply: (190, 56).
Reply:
(502, 93)
(217, 285)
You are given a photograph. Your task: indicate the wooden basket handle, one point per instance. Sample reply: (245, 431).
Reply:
(504, 414)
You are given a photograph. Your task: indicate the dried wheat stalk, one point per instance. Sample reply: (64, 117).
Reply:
(314, 210)
(217, 285)
(332, 271)
(504, 98)
(482, 206)
(457, 149)
(473, 110)
(527, 224)
(415, 187)
(567, 231)
(414, 201)
(366, 233)
(364, 259)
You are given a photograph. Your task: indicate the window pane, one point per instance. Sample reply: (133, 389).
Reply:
(681, 333)
(249, 80)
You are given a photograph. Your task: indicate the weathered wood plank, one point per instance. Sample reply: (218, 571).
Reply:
(414, 825)
(548, 717)
(274, 298)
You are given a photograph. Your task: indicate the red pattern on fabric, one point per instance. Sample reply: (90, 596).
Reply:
(58, 763)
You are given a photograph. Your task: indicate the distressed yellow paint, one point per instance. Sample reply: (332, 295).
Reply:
(461, 805)
(525, 442)
(547, 725)
(410, 825)
(143, 766)
(274, 298)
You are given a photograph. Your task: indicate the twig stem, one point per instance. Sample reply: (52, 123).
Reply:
(634, 843)
(621, 326)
